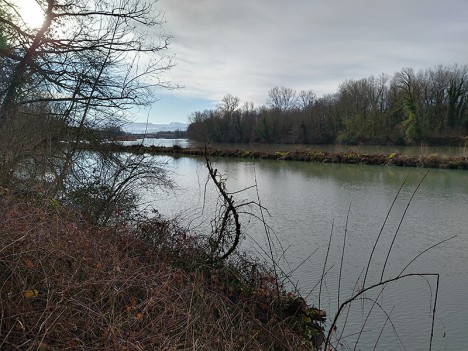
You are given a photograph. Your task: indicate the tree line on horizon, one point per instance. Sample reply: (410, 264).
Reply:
(427, 106)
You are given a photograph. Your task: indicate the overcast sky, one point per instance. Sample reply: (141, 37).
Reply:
(246, 47)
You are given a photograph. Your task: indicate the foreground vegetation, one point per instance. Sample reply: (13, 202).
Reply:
(68, 285)
(78, 268)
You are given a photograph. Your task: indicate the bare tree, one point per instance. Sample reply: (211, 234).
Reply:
(106, 187)
(89, 64)
(63, 57)
(307, 99)
(281, 98)
(229, 104)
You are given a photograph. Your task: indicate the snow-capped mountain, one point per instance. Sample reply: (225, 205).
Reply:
(151, 128)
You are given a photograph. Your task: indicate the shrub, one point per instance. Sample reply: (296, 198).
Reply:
(65, 284)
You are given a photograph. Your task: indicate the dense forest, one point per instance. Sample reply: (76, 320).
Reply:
(427, 106)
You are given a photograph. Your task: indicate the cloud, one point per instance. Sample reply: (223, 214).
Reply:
(247, 47)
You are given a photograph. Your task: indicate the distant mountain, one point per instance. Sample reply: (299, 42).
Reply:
(151, 128)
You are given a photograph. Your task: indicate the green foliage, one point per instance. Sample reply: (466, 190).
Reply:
(412, 125)
(264, 129)
(245, 153)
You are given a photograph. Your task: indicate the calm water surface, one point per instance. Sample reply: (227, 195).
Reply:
(305, 200)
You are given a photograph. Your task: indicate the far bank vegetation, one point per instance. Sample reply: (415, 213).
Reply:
(411, 107)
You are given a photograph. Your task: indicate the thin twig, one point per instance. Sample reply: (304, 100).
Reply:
(426, 250)
(382, 228)
(354, 297)
(325, 263)
(320, 282)
(267, 234)
(343, 253)
(230, 208)
(434, 312)
(383, 327)
(399, 225)
(368, 315)
(349, 308)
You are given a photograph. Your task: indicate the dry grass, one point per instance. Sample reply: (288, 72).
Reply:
(65, 285)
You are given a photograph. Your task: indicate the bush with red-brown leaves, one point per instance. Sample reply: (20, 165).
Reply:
(66, 285)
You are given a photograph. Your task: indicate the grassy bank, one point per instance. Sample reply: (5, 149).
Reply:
(67, 285)
(392, 159)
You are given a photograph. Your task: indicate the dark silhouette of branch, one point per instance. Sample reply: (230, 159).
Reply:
(325, 265)
(382, 283)
(229, 212)
(382, 228)
(401, 221)
(343, 253)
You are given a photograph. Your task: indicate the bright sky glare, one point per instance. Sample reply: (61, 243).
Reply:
(31, 12)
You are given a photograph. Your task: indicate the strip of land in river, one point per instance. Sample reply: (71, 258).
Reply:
(390, 159)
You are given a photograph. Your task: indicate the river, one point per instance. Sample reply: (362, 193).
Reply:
(305, 200)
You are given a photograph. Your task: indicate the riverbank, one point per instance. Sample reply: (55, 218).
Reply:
(391, 159)
(66, 284)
